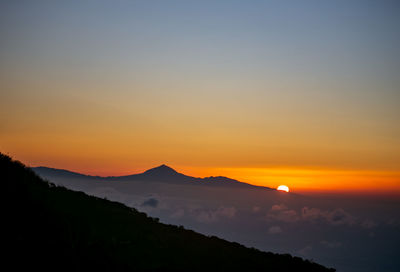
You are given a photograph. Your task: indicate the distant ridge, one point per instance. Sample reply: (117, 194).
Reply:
(60, 172)
(162, 173)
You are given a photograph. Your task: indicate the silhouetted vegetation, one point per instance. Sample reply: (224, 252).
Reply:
(53, 228)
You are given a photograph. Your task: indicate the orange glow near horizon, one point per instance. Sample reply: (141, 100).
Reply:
(305, 179)
(320, 180)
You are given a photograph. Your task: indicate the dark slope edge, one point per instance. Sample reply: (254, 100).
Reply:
(162, 173)
(53, 228)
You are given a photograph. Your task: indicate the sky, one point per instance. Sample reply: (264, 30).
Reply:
(302, 93)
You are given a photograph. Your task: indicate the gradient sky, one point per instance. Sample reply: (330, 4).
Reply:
(298, 92)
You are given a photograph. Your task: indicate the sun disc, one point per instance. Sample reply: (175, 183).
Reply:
(283, 188)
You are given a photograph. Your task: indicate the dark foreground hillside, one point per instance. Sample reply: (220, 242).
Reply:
(51, 228)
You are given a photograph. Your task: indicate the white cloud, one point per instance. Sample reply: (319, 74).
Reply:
(305, 251)
(274, 230)
(277, 207)
(335, 217)
(256, 209)
(282, 213)
(226, 211)
(206, 216)
(368, 224)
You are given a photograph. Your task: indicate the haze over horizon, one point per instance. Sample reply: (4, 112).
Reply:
(298, 93)
(275, 177)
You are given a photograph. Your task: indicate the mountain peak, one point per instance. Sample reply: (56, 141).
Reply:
(162, 170)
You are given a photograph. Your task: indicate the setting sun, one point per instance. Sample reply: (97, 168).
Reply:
(283, 188)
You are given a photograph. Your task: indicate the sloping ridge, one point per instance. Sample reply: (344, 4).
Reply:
(53, 228)
(54, 172)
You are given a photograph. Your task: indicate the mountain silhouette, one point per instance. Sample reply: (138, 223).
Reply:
(162, 173)
(161, 170)
(50, 228)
